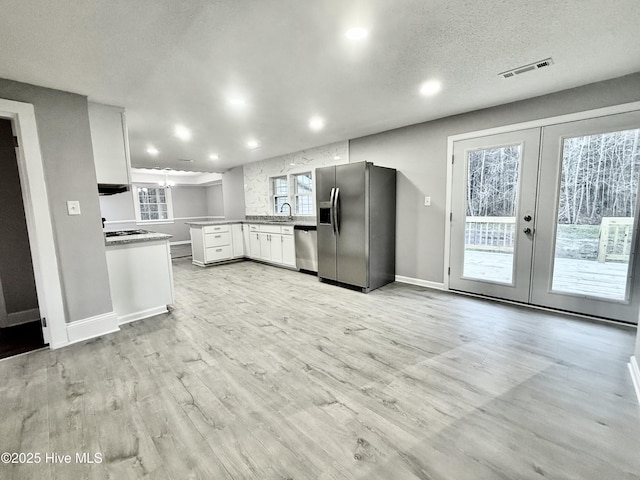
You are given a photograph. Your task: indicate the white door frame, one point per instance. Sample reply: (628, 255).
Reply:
(543, 122)
(38, 216)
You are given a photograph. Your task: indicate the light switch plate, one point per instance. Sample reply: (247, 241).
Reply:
(427, 201)
(73, 207)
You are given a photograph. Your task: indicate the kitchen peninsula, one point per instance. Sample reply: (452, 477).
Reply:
(140, 273)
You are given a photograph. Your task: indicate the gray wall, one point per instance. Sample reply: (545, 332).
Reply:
(65, 141)
(215, 201)
(16, 270)
(189, 204)
(233, 194)
(419, 154)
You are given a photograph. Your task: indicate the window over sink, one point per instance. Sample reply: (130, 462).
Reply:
(153, 204)
(296, 189)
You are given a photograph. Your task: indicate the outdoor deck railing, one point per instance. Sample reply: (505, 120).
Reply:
(614, 241)
(498, 234)
(490, 233)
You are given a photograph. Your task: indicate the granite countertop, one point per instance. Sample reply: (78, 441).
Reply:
(254, 222)
(144, 236)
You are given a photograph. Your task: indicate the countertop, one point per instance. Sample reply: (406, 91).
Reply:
(142, 237)
(253, 222)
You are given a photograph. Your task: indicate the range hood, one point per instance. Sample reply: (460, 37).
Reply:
(110, 189)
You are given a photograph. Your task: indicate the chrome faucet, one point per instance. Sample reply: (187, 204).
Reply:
(282, 208)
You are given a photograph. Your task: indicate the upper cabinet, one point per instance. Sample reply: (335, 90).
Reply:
(110, 144)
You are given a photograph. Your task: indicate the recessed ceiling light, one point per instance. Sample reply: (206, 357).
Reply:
(236, 101)
(214, 156)
(252, 144)
(337, 157)
(152, 151)
(316, 123)
(182, 132)
(357, 33)
(292, 164)
(430, 88)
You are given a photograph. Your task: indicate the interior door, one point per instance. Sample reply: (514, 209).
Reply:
(492, 222)
(586, 230)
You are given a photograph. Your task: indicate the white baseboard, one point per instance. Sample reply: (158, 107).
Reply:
(132, 317)
(420, 283)
(92, 327)
(635, 375)
(182, 242)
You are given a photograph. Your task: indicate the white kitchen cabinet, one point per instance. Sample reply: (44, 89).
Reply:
(288, 250)
(140, 278)
(110, 144)
(211, 243)
(246, 240)
(237, 240)
(267, 243)
(254, 241)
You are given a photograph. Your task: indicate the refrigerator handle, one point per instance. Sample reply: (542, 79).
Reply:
(333, 210)
(336, 211)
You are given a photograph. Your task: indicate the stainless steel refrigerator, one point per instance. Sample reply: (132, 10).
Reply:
(356, 209)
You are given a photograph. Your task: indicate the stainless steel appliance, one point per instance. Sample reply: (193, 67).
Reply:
(306, 238)
(356, 210)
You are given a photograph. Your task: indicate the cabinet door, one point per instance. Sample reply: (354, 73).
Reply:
(246, 240)
(275, 241)
(110, 146)
(237, 240)
(254, 242)
(265, 246)
(288, 251)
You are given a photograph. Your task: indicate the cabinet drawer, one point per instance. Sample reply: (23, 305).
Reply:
(215, 228)
(214, 254)
(217, 239)
(270, 228)
(287, 230)
(254, 228)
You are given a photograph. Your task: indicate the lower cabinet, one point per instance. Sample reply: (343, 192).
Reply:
(288, 251)
(237, 240)
(268, 243)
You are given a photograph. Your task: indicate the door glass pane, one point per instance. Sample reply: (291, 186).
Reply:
(596, 208)
(492, 193)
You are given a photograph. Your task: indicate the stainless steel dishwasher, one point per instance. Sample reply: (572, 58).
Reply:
(306, 238)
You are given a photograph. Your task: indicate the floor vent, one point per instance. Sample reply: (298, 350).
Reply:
(547, 62)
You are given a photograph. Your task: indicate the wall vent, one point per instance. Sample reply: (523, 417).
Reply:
(547, 62)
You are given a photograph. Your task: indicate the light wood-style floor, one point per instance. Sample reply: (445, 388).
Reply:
(265, 373)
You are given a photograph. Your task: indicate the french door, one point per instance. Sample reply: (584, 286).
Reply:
(548, 216)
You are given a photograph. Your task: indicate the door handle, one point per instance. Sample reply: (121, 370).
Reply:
(528, 231)
(527, 218)
(332, 210)
(336, 214)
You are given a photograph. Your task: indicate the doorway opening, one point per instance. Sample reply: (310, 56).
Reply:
(20, 326)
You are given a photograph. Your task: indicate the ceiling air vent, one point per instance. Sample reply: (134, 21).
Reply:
(185, 160)
(547, 62)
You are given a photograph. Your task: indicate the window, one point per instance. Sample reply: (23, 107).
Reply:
(153, 204)
(280, 192)
(303, 193)
(300, 198)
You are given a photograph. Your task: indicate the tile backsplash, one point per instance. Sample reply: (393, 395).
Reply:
(256, 175)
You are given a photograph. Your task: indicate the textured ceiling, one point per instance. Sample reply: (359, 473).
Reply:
(176, 62)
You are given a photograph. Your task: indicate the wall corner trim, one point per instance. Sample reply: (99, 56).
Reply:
(421, 283)
(92, 327)
(635, 375)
